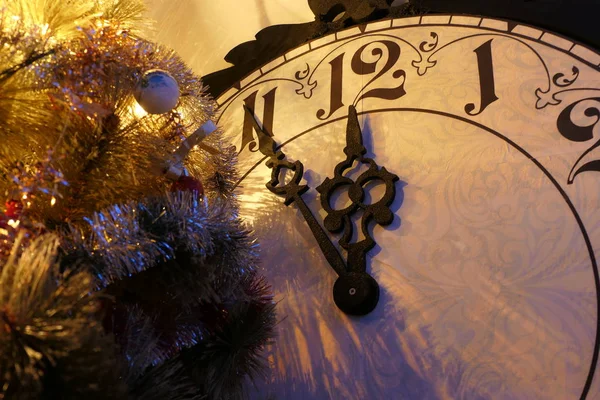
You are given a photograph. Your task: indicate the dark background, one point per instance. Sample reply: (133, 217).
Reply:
(577, 19)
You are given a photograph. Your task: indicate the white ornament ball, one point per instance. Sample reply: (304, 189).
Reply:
(157, 92)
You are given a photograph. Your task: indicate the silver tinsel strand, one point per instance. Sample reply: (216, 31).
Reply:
(197, 253)
(124, 240)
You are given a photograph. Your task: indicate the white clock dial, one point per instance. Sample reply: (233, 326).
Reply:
(488, 271)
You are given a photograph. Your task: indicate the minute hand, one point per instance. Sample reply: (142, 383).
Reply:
(293, 193)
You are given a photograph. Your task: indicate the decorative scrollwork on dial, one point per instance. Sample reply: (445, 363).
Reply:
(559, 82)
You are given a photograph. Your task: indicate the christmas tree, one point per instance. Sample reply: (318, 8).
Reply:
(125, 271)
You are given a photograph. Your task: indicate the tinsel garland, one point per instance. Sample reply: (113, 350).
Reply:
(204, 342)
(110, 287)
(126, 239)
(216, 367)
(200, 256)
(81, 86)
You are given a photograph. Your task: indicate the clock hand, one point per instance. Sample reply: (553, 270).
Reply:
(293, 193)
(355, 149)
(339, 220)
(354, 141)
(265, 142)
(356, 292)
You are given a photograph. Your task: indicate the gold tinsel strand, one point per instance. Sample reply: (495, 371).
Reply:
(62, 18)
(68, 71)
(80, 103)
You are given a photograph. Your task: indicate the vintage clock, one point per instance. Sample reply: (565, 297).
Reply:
(426, 192)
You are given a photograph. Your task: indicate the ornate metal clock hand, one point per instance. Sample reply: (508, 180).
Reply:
(337, 220)
(293, 193)
(355, 292)
(356, 289)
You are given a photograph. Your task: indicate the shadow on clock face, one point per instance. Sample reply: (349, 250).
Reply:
(325, 353)
(487, 287)
(321, 353)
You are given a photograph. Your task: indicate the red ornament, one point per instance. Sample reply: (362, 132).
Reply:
(13, 209)
(188, 184)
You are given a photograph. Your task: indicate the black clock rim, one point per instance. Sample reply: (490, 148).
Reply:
(596, 351)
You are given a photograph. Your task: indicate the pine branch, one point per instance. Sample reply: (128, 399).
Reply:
(222, 362)
(31, 59)
(50, 341)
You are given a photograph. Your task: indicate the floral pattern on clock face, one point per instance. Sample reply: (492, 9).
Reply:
(488, 271)
(487, 286)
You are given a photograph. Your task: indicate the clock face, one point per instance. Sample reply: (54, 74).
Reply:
(487, 272)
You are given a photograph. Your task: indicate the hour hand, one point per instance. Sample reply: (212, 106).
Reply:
(293, 191)
(277, 162)
(266, 143)
(357, 290)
